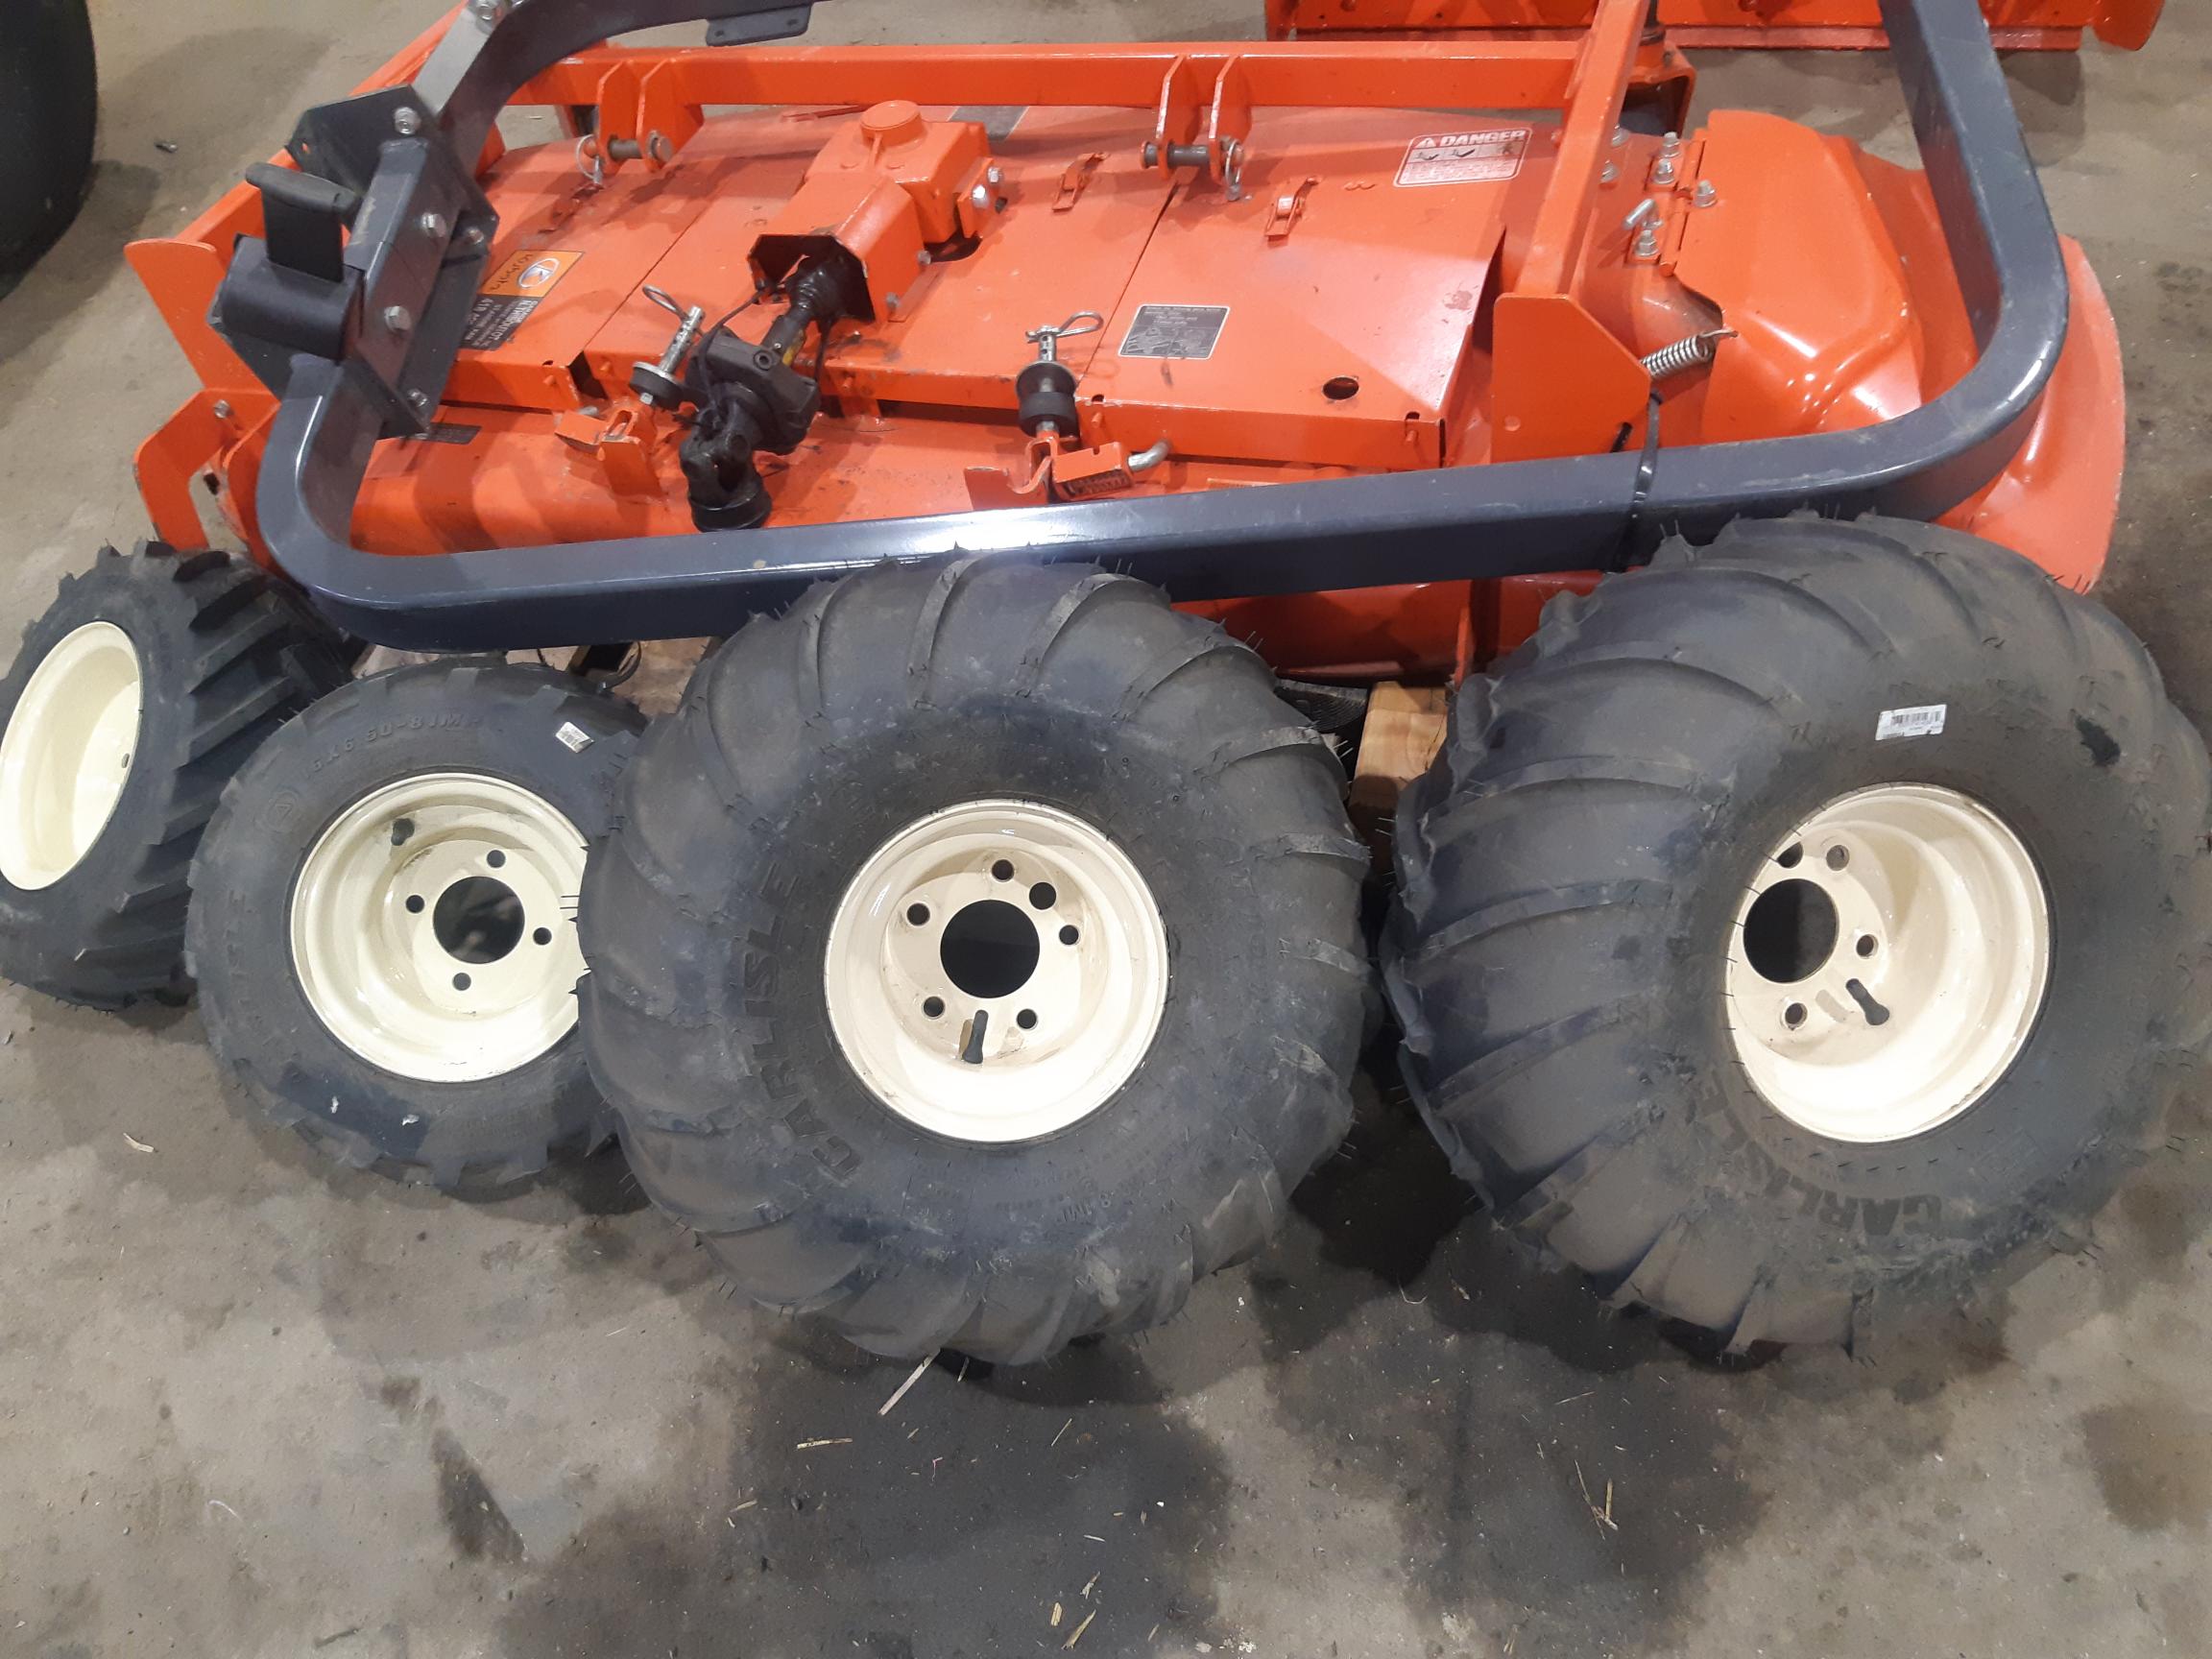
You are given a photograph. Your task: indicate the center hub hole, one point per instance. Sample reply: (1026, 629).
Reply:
(989, 949)
(1790, 932)
(477, 920)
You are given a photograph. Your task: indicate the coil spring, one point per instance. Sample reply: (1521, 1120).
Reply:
(1692, 352)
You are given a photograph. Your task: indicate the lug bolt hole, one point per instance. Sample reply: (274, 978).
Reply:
(495, 860)
(917, 914)
(460, 981)
(1865, 945)
(543, 936)
(1838, 857)
(1026, 1018)
(415, 904)
(1043, 896)
(933, 1006)
(1793, 1015)
(1790, 856)
(1068, 935)
(1002, 871)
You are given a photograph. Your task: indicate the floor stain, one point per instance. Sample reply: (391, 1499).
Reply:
(1560, 1472)
(945, 1529)
(479, 1527)
(2153, 1461)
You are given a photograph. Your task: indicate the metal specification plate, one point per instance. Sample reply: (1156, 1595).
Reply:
(1464, 157)
(1189, 331)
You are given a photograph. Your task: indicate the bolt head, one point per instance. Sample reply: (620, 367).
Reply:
(980, 196)
(1706, 194)
(407, 120)
(474, 236)
(1610, 175)
(995, 174)
(432, 225)
(418, 401)
(398, 319)
(222, 410)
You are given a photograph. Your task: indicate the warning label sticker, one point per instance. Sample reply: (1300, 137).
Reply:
(512, 293)
(1189, 331)
(1465, 157)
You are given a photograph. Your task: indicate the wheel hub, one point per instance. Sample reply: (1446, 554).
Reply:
(432, 927)
(66, 753)
(1888, 963)
(996, 971)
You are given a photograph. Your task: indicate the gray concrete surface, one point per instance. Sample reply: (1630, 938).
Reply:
(251, 1408)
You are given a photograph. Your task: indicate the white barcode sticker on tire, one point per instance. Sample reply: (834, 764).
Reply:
(1926, 721)
(573, 737)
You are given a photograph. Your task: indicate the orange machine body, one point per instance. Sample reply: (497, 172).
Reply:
(1343, 281)
(2016, 25)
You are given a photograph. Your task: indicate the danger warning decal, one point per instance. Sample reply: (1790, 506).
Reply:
(1465, 157)
(512, 293)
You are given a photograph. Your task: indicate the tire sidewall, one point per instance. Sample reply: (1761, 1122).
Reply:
(2071, 1094)
(356, 741)
(157, 616)
(824, 1131)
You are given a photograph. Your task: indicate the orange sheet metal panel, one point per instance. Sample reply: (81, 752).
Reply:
(1863, 13)
(957, 337)
(1337, 341)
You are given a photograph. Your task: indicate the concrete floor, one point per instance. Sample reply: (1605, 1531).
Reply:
(249, 1406)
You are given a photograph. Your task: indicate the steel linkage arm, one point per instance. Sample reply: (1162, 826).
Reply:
(368, 362)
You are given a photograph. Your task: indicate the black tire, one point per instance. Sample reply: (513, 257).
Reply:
(1570, 876)
(49, 108)
(503, 722)
(225, 659)
(802, 746)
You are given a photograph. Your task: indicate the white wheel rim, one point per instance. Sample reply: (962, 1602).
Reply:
(404, 947)
(66, 753)
(916, 955)
(1940, 955)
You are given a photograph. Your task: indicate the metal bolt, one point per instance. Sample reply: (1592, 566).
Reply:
(1663, 171)
(891, 301)
(398, 319)
(222, 409)
(487, 13)
(993, 174)
(408, 120)
(1648, 240)
(418, 401)
(922, 257)
(1610, 174)
(1706, 195)
(1619, 136)
(980, 196)
(1670, 144)
(433, 226)
(474, 236)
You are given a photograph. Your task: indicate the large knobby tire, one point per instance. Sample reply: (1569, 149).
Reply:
(1850, 741)
(381, 921)
(1080, 711)
(49, 108)
(161, 673)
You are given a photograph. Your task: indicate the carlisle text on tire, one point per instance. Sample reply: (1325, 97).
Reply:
(977, 962)
(1811, 925)
(147, 683)
(383, 921)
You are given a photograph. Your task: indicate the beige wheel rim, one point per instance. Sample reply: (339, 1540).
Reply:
(1888, 963)
(997, 970)
(66, 753)
(433, 927)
